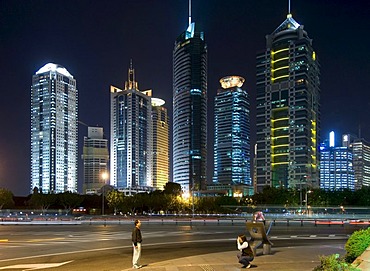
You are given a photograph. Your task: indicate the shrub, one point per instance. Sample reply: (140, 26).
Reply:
(334, 263)
(357, 243)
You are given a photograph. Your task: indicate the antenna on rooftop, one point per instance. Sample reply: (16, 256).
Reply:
(288, 6)
(359, 131)
(189, 12)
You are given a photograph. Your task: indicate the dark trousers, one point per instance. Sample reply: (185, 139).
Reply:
(244, 259)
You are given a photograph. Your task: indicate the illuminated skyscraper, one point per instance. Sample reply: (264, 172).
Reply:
(160, 144)
(190, 109)
(336, 166)
(54, 149)
(232, 130)
(131, 136)
(288, 109)
(95, 156)
(361, 159)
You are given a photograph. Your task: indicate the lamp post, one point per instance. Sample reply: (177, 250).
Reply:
(104, 176)
(307, 192)
(192, 199)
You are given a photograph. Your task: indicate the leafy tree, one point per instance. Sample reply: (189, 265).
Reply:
(207, 205)
(91, 201)
(129, 204)
(42, 201)
(69, 200)
(154, 201)
(6, 198)
(115, 199)
(172, 188)
(362, 196)
(319, 197)
(169, 203)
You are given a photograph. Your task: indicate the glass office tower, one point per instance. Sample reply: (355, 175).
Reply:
(232, 133)
(131, 136)
(190, 109)
(288, 109)
(54, 119)
(336, 165)
(361, 159)
(95, 156)
(160, 143)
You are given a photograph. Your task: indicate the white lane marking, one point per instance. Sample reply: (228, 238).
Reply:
(35, 266)
(108, 248)
(153, 244)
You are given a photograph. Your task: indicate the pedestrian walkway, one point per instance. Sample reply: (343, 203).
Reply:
(364, 260)
(302, 258)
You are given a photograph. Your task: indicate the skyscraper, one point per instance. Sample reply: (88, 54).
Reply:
(232, 133)
(336, 166)
(131, 135)
(190, 109)
(54, 149)
(160, 144)
(95, 156)
(361, 159)
(288, 109)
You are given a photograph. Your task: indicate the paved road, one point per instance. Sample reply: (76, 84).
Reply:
(91, 247)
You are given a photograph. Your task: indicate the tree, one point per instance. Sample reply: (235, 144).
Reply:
(6, 198)
(129, 204)
(154, 201)
(42, 201)
(115, 199)
(172, 189)
(69, 200)
(206, 204)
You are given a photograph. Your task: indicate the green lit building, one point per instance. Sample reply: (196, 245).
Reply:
(288, 110)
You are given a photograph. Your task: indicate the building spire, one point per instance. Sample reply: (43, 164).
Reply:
(131, 83)
(288, 6)
(359, 131)
(189, 12)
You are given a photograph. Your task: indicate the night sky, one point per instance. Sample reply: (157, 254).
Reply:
(95, 40)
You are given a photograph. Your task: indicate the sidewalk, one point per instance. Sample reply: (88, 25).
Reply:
(364, 260)
(302, 258)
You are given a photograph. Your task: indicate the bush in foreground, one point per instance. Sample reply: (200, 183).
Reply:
(334, 263)
(357, 243)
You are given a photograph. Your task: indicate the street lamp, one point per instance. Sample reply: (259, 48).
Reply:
(104, 176)
(307, 192)
(192, 199)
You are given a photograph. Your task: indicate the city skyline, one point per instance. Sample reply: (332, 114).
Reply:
(97, 51)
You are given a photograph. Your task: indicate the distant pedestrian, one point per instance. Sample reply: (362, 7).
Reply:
(259, 217)
(136, 244)
(245, 255)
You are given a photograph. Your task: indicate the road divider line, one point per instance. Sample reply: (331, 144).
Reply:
(110, 248)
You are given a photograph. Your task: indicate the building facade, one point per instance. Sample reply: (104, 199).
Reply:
(190, 109)
(361, 159)
(160, 144)
(336, 166)
(95, 160)
(232, 133)
(131, 136)
(54, 130)
(288, 109)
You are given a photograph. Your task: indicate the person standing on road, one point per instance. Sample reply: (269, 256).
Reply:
(136, 244)
(245, 255)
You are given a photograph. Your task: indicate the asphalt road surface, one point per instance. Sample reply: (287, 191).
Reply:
(99, 247)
